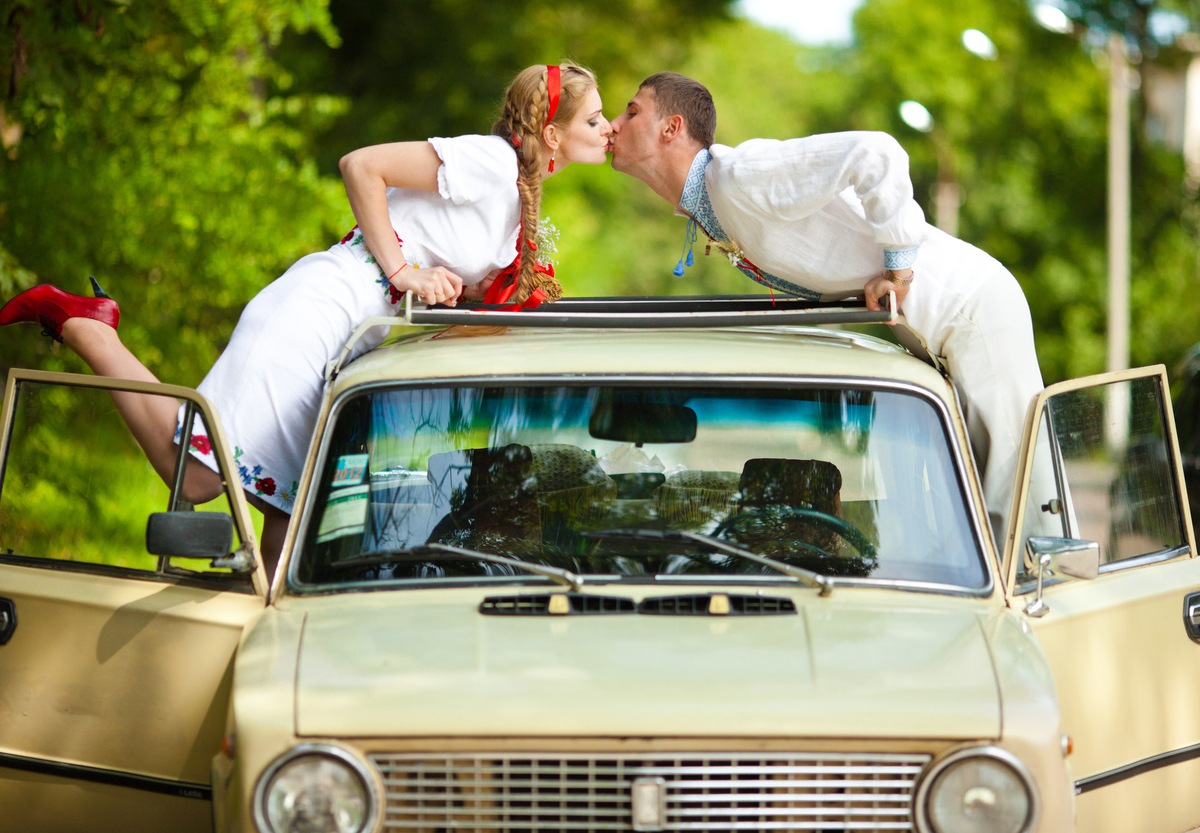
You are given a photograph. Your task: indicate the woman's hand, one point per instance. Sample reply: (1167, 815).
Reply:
(876, 290)
(433, 285)
(478, 291)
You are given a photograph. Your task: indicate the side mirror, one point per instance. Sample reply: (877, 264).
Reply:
(190, 534)
(1069, 556)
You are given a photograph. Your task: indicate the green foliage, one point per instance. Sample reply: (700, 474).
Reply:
(149, 155)
(419, 68)
(184, 151)
(1025, 138)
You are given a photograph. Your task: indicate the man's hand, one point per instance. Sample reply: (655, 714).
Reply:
(877, 288)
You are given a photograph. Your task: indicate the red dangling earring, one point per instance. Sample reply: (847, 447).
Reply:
(551, 169)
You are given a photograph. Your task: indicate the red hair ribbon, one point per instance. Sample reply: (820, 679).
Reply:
(505, 286)
(553, 89)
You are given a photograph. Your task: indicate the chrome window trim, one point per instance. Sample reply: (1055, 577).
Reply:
(646, 380)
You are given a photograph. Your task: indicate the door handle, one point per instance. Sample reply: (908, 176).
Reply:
(1191, 615)
(8, 620)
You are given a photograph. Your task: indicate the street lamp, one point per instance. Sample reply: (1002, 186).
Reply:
(1055, 20)
(979, 44)
(946, 194)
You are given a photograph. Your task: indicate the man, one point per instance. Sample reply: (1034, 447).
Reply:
(832, 215)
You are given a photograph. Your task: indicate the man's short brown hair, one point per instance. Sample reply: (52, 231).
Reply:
(676, 94)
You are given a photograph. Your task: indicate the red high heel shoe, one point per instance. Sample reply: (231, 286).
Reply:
(51, 307)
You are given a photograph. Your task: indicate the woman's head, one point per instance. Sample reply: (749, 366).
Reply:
(541, 96)
(547, 108)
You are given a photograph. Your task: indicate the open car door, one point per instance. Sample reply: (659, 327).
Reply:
(1104, 571)
(115, 663)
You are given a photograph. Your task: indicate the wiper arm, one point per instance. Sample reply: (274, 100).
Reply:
(808, 577)
(425, 551)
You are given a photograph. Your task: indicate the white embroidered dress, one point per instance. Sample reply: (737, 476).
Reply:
(268, 382)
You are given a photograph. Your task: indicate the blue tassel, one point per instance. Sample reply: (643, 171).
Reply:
(689, 238)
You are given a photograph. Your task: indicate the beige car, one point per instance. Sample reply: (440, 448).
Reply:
(642, 564)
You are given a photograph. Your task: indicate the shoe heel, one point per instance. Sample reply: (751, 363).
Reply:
(97, 290)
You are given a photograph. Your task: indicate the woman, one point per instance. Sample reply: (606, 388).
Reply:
(443, 219)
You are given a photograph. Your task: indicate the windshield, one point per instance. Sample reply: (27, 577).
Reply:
(624, 483)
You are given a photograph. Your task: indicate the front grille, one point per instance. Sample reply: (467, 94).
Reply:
(814, 792)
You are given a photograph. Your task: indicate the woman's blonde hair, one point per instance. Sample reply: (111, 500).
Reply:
(526, 105)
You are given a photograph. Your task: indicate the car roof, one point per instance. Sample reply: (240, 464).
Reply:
(654, 341)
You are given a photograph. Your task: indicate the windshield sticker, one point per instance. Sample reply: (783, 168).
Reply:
(351, 470)
(345, 514)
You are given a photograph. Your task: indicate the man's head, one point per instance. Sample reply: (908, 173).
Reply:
(676, 94)
(670, 119)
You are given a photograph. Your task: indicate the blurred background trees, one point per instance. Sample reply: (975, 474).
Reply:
(185, 151)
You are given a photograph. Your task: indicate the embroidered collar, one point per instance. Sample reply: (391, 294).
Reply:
(695, 199)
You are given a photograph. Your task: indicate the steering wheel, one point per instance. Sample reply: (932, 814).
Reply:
(868, 554)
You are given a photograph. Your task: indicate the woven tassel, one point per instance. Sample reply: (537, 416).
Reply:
(685, 257)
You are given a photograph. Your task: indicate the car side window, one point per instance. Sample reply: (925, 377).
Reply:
(1104, 471)
(76, 488)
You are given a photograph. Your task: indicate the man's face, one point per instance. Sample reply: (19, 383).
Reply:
(635, 133)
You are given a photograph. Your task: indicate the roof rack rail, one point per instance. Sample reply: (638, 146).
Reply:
(657, 312)
(649, 311)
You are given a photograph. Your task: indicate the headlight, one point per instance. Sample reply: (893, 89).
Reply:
(981, 790)
(315, 787)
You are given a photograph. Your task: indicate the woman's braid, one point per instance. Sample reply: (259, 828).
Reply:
(521, 121)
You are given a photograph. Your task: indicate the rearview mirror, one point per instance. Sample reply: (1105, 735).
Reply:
(641, 422)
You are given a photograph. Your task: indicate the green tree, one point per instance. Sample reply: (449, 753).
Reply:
(1026, 135)
(142, 147)
(418, 68)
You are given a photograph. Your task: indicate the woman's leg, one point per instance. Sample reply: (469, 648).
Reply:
(275, 522)
(151, 419)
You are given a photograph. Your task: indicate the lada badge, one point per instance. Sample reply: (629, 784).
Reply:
(649, 800)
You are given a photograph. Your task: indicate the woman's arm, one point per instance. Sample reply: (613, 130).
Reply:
(368, 173)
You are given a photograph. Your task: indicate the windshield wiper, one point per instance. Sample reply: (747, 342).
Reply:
(426, 551)
(808, 577)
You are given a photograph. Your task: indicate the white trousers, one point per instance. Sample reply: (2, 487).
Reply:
(972, 312)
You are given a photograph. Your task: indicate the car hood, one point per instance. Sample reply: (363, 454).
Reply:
(437, 667)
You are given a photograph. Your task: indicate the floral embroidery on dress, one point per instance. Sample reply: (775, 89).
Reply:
(252, 480)
(200, 443)
(355, 240)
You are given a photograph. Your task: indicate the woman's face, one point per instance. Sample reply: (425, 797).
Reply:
(585, 139)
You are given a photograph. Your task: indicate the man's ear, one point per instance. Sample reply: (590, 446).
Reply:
(673, 128)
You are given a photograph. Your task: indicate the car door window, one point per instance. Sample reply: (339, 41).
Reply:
(76, 488)
(1104, 471)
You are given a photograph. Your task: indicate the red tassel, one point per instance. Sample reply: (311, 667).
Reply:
(551, 164)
